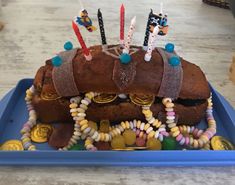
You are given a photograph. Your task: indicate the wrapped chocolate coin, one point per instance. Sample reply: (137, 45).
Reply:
(104, 98)
(12, 145)
(220, 143)
(40, 133)
(142, 100)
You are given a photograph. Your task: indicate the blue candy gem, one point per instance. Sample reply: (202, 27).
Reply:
(174, 61)
(57, 61)
(169, 47)
(68, 45)
(125, 58)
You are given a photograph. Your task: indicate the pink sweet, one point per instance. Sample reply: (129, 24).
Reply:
(164, 133)
(137, 132)
(179, 137)
(186, 140)
(171, 113)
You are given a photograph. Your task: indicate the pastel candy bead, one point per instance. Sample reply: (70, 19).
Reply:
(156, 134)
(170, 113)
(182, 141)
(151, 134)
(27, 145)
(149, 130)
(169, 47)
(166, 100)
(125, 58)
(170, 117)
(137, 132)
(142, 126)
(169, 105)
(179, 137)
(195, 143)
(169, 109)
(164, 133)
(186, 140)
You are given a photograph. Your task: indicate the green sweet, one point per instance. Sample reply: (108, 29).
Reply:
(169, 143)
(78, 146)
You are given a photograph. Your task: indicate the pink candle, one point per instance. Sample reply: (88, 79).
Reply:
(129, 36)
(86, 51)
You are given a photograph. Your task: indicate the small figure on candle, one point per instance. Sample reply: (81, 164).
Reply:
(85, 21)
(161, 21)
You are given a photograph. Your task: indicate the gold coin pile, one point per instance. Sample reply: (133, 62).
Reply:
(104, 98)
(41, 132)
(142, 100)
(12, 145)
(220, 143)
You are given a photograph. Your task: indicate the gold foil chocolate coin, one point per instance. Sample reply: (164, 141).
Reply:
(123, 149)
(12, 145)
(220, 143)
(142, 100)
(104, 98)
(138, 147)
(49, 96)
(41, 132)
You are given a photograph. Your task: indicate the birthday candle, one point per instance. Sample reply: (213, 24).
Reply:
(101, 24)
(152, 40)
(161, 8)
(129, 36)
(86, 51)
(146, 38)
(122, 24)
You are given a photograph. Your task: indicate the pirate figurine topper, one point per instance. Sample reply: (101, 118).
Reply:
(160, 21)
(85, 21)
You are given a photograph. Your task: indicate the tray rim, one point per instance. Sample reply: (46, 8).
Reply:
(117, 158)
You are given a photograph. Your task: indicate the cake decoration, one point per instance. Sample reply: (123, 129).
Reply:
(114, 103)
(169, 47)
(40, 133)
(151, 47)
(172, 75)
(146, 37)
(129, 36)
(86, 51)
(122, 24)
(56, 61)
(68, 46)
(101, 25)
(85, 21)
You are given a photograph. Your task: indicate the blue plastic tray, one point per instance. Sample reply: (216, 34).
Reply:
(13, 114)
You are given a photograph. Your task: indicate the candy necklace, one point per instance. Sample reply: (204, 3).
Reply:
(185, 135)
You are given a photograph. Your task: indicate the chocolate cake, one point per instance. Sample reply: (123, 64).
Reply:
(98, 76)
(119, 97)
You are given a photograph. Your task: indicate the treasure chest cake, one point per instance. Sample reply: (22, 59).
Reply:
(122, 96)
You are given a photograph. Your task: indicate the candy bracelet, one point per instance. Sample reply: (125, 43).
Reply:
(185, 135)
